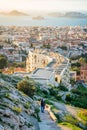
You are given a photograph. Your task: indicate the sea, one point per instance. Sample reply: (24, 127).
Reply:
(47, 21)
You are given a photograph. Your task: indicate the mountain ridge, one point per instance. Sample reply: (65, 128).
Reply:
(14, 13)
(71, 14)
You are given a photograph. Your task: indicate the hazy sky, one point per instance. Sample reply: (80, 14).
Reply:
(44, 5)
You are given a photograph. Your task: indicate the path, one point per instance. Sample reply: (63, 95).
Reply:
(46, 122)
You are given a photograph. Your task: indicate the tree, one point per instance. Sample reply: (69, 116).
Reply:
(1, 46)
(31, 45)
(44, 45)
(3, 61)
(48, 46)
(63, 47)
(27, 86)
(72, 81)
(82, 60)
(20, 64)
(76, 69)
(77, 64)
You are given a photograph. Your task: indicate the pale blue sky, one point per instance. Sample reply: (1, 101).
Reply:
(44, 5)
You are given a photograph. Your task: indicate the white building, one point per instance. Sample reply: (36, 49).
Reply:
(73, 75)
(44, 76)
(63, 73)
(36, 60)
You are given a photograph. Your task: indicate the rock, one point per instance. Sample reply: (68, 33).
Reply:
(25, 128)
(1, 127)
(82, 126)
(13, 98)
(9, 121)
(22, 121)
(1, 112)
(35, 123)
(7, 128)
(7, 113)
(61, 116)
(32, 128)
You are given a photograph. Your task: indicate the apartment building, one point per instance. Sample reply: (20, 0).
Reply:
(83, 73)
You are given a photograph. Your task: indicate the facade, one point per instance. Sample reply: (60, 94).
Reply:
(63, 74)
(73, 75)
(36, 60)
(83, 73)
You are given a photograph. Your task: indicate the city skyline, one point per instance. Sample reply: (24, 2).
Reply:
(44, 5)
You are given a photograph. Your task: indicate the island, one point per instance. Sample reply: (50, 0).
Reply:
(38, 18)
(68, 14)
(75, 15)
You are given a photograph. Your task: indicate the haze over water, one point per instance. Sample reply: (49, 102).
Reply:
(48, 21)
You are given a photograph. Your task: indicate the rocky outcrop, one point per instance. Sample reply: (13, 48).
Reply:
(16, 108)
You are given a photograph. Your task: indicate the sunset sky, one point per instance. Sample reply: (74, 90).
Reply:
(44, 5)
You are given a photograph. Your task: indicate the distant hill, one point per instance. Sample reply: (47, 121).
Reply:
(2, 13)
(14, 13)
(75, 15)
(68, 14)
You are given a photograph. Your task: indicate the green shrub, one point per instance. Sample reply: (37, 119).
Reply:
(53, 91)
(37, 110)
(71, 119)
(68, 98)
(7, 95)
(29, 125)
(27, 87)
(58, 118)
(69, 125)
(76, 91)
(17, 109)
(0, 71)
(3, 61)
(58, 97)
(27, 105)
(83, 115)
(48, 102)
(79, 98)
(80, 102)
(63, 88)
(45, 92)
(37, 113)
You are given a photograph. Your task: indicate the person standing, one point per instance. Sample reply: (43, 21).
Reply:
(42, 105)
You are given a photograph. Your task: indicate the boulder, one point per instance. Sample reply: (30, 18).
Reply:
(1, 127)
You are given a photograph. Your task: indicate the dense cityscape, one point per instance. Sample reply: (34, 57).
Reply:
(61, 44)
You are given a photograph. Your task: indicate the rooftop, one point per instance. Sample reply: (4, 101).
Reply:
(42, 73)
(60, 69)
